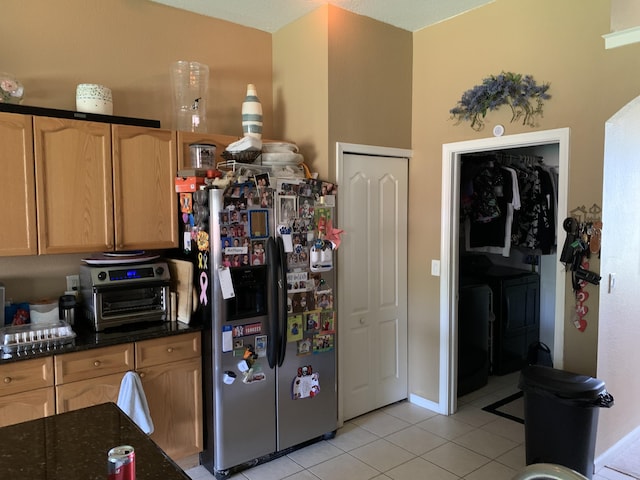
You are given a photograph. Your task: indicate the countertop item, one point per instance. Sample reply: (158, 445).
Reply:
(74, 446)
(86, 339)
(120, 258)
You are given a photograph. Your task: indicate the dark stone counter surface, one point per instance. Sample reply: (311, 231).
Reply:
(87, 339)
(74, 446)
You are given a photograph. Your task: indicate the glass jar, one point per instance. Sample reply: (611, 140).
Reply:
(190, 85)
(11, 90)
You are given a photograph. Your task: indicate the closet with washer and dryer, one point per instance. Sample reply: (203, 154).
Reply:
(508, 202)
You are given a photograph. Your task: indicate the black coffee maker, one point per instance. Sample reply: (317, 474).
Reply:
(67, 308)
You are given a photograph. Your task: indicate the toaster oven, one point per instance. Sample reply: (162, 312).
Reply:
(116, 295)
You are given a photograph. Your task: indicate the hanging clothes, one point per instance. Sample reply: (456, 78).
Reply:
(508, 201)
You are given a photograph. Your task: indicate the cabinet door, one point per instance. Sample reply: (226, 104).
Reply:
(521, 304)
(145, 202)
(174, 395)
(73, 185)
(25, 406)
(17, 186)
(86, 393)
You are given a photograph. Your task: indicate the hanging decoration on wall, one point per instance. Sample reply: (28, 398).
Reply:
(520, 92)
(584, 235)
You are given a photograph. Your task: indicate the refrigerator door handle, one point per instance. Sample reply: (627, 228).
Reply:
(273, 265)
(282, 288)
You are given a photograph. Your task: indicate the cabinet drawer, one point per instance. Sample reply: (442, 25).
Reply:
(26, 375)
(167, 349)
(72, 367)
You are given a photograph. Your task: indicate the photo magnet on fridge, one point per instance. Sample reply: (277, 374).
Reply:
(261, 346)
(294, 328)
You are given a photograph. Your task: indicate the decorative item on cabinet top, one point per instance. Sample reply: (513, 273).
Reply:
(94, 98)
(70, 114)
(11, 90)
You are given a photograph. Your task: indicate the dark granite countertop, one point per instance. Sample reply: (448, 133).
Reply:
(87, 339)
(74, 446)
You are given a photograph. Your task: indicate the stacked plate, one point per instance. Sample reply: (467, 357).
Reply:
(280, 154)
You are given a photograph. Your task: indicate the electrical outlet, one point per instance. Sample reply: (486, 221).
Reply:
(73, 282)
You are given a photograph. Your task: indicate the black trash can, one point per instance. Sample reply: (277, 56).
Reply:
(561, 416)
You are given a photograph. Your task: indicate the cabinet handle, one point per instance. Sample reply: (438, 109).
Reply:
(97, 363)
(141, 374)
(362, 321)
(170, 349)
(7, 379)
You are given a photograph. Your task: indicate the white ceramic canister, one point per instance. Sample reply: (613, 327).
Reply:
(252, 113)
(94, 98)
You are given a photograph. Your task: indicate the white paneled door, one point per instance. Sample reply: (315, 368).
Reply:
(372, 281)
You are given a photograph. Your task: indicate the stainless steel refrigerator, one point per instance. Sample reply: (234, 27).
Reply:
(265, 281)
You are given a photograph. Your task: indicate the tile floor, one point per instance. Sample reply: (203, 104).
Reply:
(407, 442)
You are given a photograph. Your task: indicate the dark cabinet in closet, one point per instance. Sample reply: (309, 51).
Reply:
(516, 307)
(474, 317)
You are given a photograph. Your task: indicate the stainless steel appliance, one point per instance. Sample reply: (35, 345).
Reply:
(116, 295)
(265, 285)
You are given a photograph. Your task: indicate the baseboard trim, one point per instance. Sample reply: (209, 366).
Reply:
(428, 404)
(608, 456)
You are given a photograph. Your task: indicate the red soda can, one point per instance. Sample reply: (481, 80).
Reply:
(121, 463)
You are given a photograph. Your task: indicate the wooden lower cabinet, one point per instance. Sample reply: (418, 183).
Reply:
(171, 373)
(26, 390)
(86, 393)
(25, 406)
(173, 392)
(91, 377)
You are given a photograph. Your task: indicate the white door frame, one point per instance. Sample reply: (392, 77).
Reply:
(451, 161)
(341, 150)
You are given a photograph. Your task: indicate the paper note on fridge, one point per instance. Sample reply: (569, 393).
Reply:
(226, 285)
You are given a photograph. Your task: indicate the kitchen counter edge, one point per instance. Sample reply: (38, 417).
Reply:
(87, 340)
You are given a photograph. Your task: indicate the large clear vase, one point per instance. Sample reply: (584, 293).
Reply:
(190, 86)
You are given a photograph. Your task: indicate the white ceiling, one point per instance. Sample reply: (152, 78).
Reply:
(271, 15)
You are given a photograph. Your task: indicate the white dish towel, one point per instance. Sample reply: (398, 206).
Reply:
(133, 402)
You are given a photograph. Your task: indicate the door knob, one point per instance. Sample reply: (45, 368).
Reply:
(361, 320)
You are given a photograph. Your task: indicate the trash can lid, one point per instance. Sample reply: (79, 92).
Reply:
(559, 383)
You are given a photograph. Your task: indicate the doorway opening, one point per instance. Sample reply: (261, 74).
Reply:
(552, 145)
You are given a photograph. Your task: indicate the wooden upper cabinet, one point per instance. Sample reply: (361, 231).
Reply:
(17, 186)
(145, 203)
(73, 185)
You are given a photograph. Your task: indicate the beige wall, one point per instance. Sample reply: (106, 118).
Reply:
(370, 65)
(300, 91)
(346, 78)
(127, 45)
(560, 44)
